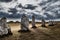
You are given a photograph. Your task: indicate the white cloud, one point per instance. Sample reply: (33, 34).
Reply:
(24, 2)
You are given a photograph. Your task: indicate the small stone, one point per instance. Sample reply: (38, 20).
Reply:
(50, 23)
(43, 23)
(33, 22)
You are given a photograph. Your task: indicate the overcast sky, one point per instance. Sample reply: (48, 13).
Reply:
(41, 8)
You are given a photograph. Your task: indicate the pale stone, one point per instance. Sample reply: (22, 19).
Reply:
(5, 31)
(3, 26)
(24, 23)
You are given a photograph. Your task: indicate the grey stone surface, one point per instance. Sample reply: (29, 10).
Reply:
(33, 21)
(24, 23)
(43, 23)
(3, 26)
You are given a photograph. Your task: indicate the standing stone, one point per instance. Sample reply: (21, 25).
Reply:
(24, 24)
(43, 23)
(51, 23)
(33, 22)
(4, 26)
(1, 31)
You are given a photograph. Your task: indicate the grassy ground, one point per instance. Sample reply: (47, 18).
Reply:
(39, 33)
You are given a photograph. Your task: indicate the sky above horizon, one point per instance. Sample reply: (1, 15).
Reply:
(48, 9)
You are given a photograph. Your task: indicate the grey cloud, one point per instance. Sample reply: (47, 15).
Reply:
(5, 0)
(3, 14)
(51, 7)
(29, 6)
(13, 10)
(20, 5)
(48, 1)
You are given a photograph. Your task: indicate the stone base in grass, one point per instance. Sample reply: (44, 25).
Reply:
(24, 31)
(51, 25)
(43, 25)
(34, 27)
(10, 33)
(5, 35)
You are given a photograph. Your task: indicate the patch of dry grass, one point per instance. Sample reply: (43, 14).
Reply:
(40, 33)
